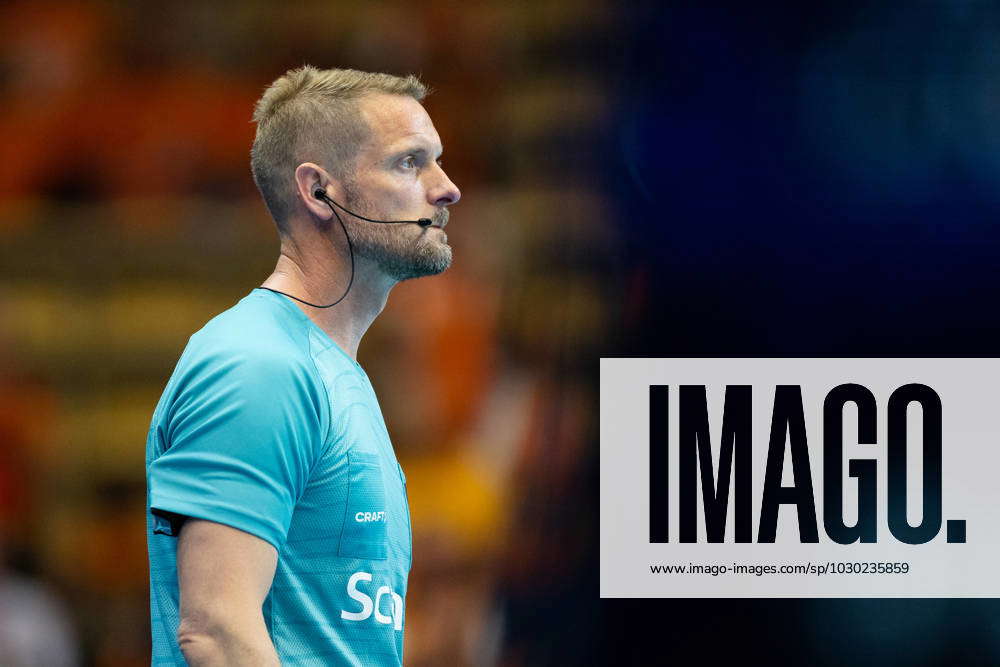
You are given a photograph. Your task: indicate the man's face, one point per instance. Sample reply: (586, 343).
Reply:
(398, 176)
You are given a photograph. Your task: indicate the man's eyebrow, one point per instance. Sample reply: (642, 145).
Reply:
(414, 151)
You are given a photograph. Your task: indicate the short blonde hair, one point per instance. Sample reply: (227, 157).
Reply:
(310, 114)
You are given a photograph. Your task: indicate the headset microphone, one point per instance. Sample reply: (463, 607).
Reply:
(320, 193)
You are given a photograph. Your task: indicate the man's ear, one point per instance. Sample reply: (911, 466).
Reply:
(310, 177)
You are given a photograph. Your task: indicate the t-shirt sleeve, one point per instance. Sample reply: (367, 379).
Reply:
(240, 440)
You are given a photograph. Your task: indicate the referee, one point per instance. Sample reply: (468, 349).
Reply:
(277, 523)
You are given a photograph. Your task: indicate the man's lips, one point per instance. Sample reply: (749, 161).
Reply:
(440, 220)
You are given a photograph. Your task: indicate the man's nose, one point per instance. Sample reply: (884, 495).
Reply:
(444, 193)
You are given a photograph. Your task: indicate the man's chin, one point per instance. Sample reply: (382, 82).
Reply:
(429, 264)
(432, 269)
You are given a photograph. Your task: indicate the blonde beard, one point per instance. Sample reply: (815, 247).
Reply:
(390, 246)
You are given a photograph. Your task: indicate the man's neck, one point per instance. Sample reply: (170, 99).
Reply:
(321, 279)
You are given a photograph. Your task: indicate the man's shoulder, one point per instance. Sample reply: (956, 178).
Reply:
(255, 334)
(256, 323)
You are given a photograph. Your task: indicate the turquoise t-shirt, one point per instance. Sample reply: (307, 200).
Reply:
(268, 426)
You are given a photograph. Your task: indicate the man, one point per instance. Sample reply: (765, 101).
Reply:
(278, 524)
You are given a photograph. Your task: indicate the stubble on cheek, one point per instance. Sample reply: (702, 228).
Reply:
(401, 250)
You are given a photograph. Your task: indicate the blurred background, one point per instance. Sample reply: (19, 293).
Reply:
(651, 179)
(128, 218)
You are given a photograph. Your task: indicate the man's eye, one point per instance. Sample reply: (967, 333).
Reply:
(409, 162)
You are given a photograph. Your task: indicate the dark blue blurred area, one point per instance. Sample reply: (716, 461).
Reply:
(810, 179)
(807, 179)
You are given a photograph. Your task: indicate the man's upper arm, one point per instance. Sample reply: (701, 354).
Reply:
(223, 574)
(240, 439)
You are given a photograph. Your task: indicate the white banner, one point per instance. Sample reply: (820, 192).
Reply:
(800, 478)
